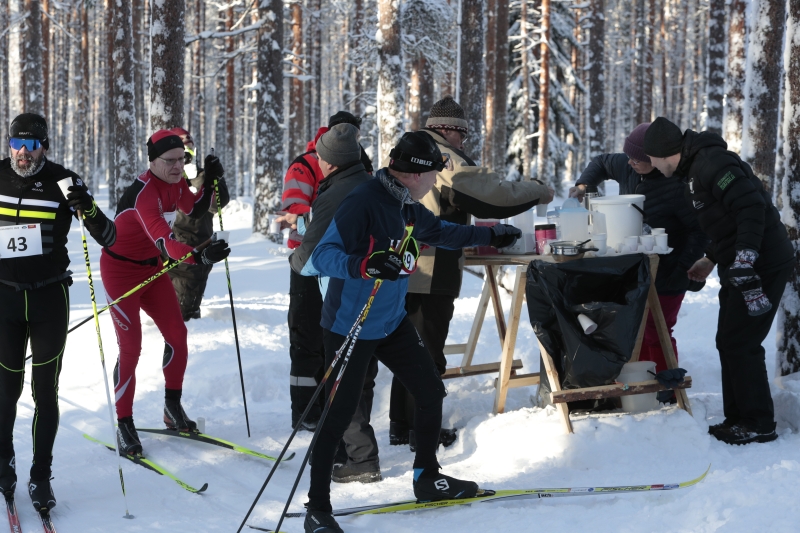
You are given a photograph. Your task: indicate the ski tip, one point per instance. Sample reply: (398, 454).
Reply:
(128, 516)
(288, 457)
(202, 489)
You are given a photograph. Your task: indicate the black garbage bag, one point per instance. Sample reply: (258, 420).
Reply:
(612, 291)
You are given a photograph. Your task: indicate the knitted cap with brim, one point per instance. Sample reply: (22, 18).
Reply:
(183, 134)
(162, 141)
(446, 114)
(634, 143)
(663, 138)
(339, 145)
(30, 126)
(343, 117)
(416, 153)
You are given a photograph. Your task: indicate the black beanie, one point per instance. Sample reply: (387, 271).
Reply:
(30, 126)
(162, 141)
(663, 138)
(416, 153)
(343, 117)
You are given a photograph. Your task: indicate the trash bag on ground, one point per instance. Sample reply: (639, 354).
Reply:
(612, 291)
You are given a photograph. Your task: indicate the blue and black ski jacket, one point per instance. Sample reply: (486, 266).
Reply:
(371, 219)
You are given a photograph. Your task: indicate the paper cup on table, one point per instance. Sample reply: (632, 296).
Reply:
(648, 241)
(661, 242)
(632, 242)
(599, 241)
(589, 326)
(541, 210)
(657, 231)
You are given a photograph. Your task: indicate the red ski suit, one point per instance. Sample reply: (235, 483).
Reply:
(144, 218)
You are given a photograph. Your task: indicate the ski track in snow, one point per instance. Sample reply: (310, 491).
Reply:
(748, 488)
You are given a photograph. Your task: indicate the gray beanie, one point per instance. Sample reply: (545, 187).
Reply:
(339, 145)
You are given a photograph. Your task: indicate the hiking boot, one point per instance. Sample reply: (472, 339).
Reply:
(349, 472)
(8, 476)
(725, 424)
(320, 522)
(446, 438)
(741, 434)
(174, 415)
(128, 442)
(431, 485)
(398, 434)
(41, 493)
(306, 425)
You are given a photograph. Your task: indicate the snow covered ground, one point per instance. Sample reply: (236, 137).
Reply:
(749, 488)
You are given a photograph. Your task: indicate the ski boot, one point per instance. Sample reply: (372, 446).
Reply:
(430, 486)
(128, 442)
(320, 522)
(40, 490)
(174, 415)
(8, 476)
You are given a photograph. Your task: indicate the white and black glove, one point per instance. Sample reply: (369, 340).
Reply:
(504, 235)
(743, 277)
(213, 253)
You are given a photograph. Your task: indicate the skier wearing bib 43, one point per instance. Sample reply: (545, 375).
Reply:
(144, 234)
(35, 219)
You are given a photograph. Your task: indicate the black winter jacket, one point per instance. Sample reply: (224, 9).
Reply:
(731, 205)
(611, 166)
(197, 230)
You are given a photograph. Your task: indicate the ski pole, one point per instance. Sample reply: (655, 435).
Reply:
(233, 314)
(142, 284)
(349, 341)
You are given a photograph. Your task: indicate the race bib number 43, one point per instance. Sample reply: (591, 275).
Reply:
(20, 241)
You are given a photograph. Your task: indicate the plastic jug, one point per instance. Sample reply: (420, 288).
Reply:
(633, 373)
(573, 221)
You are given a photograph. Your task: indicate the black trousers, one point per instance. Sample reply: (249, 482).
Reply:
(39, 316)
(431, 315)
(404, 353)
(190, 284)
(305, 344)
(745, 384)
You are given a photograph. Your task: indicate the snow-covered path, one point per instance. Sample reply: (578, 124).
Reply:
(749, 488)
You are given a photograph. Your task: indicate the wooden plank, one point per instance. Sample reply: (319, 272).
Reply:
(615, 390)
(475, 370)
(477, 324)
(555, 386)
(453, 349)
(499, 315)
(637, 347)
(510, 341)
(523, 380)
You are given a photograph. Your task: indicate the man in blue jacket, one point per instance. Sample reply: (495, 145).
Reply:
(373, 236)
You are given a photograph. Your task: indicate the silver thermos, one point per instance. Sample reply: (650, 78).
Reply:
(591, 192)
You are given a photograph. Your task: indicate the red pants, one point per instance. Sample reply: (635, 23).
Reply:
(651, 346)
(159, 301)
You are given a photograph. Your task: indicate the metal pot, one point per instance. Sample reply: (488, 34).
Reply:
(568, 250)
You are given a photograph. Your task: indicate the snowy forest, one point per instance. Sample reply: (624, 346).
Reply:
(546, 84)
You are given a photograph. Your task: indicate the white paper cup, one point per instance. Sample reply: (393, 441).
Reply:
(661, 241)
(64, 185)
(222, 236)
(599, 242)
(589, 326)
(274, 225)
(648, 241)
(632, 242)
(541, 210)
(657, 231)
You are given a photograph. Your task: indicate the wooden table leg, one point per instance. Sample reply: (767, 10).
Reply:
(499, 316)
(477, 324)
(637, 347)
(552, 378)
(510, 341)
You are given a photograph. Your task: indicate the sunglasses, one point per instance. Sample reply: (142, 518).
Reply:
(30, 144)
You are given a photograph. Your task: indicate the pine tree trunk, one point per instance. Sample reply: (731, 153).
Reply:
(83, 122)
(421, 93)
(491, 83)
(166, 65)
(716, 65)
(357, 76)
(761, 123)
(269, 143)
(788, 349)
(46, 47)
(499, 134)
(315, 118)
(473, 86)
(527, 92)
(391, 89)
(542, 151)
(137, 13)
(297, 140)
(595, 63)
(735, 79)
(33, 93)
(124, 105)
(5, 97)
(108, 115)
(230, 111)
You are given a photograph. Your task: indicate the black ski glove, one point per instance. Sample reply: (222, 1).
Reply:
(382, 265)
(213, 170)
(79, 198)
(504, 235)
(671, 378)
(213, 253)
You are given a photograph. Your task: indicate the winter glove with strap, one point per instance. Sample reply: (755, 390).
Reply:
(385, 265)
(504, 235)
(743, 277)
(213, 253)
(671, 378)
(79, 198)
(213, 170)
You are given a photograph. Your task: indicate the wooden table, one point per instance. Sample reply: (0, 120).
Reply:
(507, 333)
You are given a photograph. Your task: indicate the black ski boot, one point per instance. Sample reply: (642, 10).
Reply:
(361, 472)
(431, 486)
(128, 442)
(174, 415)
(8, 477)
(741, 434)
(40, 490)
(320, 522)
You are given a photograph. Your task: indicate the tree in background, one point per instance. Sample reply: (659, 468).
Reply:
(124, 105)
(595, 64)
(391, 83)
(733, 122)
(472, 83)
(716, 65)
(4, 97)
(166, 65)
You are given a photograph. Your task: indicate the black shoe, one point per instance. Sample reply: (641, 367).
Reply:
(431, 485)
(398, 434)
(320, 522)
(128, 442)
(352, 472)
(306, 425)
(725, 424)
(741, 434)
(446, 438)
(174, 415)
(196, 314)
(8, 476)
(41, 495)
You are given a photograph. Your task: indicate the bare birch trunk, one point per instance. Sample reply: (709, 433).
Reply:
(269, 142)
(735, 79)
(596, 66)
(124, 105)
(761, 123)
(166, 65)
(473, 86)
(391, 88)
